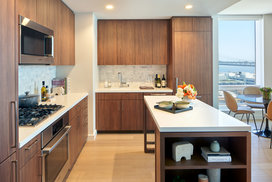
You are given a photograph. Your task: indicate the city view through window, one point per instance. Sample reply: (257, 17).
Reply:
(237, 56)
(237, 60)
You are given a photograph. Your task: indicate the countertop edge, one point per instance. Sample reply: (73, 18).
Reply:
(133, 91)
(53, 119)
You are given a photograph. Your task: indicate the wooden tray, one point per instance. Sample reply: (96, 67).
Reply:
(174, 110)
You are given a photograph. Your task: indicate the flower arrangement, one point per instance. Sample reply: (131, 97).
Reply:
(186, 91)
(266, 92)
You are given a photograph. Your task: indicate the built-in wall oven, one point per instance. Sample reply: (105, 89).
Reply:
(36, 43)
(55, 150)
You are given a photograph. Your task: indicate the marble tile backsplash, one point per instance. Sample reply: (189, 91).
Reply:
(31, 77)
(131, 73)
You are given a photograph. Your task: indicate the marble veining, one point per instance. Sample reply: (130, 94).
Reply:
(131, 73)
(31, 77)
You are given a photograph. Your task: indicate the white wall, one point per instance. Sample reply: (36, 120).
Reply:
(84, 71)
(268, 50)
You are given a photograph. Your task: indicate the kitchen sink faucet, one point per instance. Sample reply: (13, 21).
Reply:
(121, 82)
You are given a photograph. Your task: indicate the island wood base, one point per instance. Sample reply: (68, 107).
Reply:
(237, 143)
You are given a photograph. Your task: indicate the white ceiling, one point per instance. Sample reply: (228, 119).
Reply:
(149, 9)
(249, 7)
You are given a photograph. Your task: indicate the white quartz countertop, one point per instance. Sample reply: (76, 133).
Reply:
(26, 133)
(203, 118)
(133, 89)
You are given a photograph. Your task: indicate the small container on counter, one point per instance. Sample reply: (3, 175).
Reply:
(203, 178)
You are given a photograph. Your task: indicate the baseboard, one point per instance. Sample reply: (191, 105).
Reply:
(92, 136)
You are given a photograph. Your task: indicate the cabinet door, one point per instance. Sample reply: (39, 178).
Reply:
(107, 42)
(54, 17)
(108, 115)
(132, 115)
(32, 170)
(202, 24)
(182, 24)
(143, 42)
(8, 79)
(73, 140)
(43, 12)
(27, 8)
(66, 36)
(9, 169)
(160, 47)
(193, 60)
(126, 42)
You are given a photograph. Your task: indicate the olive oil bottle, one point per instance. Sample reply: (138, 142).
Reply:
(43, 92)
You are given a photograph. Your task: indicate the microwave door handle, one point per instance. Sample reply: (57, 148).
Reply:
(52, 46)
(59, 137)
(51, 54)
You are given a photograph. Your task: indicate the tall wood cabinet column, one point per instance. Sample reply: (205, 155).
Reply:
(8, 99)
(191, 55)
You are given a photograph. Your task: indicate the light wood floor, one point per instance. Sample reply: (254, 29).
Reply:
(120, 158)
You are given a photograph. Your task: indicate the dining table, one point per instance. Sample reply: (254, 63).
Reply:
(258, 99)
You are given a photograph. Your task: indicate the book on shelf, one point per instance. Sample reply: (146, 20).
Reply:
(222, 156)
(216, 158)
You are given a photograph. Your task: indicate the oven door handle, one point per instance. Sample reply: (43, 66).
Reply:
(50, 146)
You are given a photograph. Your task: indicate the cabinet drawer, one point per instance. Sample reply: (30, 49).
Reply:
(132, 96)
(29, 150)
(109, 96)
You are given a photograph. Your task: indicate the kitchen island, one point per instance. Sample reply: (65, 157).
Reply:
(200, 126)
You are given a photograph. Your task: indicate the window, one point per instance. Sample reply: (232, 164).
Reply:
(240, 50)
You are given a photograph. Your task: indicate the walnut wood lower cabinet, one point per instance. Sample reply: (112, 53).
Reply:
(237, 143)
(9, 169)
(119, 112)
(30, 161)
(78, 119)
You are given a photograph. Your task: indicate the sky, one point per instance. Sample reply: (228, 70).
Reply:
(236, 40)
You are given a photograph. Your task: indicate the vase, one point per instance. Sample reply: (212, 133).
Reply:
(266, 96)
(214, 174)
(215, 146)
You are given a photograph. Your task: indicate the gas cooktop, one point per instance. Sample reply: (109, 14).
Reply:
(33, 115)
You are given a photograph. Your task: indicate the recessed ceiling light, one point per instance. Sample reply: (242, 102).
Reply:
(188, 6)
(109, 6)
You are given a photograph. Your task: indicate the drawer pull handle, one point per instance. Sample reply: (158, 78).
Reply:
(30, 147)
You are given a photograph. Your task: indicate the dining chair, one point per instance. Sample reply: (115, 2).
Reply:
(233, 107)
(253, 90)
(268, 115)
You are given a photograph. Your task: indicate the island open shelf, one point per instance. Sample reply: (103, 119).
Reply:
(237, 143)
(200, 127)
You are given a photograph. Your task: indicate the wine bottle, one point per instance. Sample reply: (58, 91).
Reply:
(156, 80)
(43, 92)
(159, 82)
(163, 82)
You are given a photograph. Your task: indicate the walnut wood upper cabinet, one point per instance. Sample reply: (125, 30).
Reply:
(133, 42)
(160, 48)
(42, 14)
(55, 15)
(191, 55)
(8, 80)
(27, 8)
(126, 42)
(143, 42)
(107, 42)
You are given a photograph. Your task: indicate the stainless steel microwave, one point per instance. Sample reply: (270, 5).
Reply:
(36, 43)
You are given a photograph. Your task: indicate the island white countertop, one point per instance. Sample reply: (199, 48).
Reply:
(26, 133)
(203, 118)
